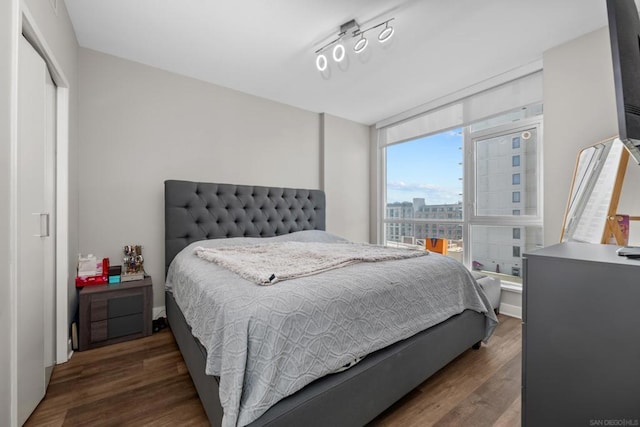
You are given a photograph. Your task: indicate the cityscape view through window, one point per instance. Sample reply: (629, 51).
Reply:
(497, 165)
(424, 191)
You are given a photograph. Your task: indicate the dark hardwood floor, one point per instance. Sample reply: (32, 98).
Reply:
(145, 382)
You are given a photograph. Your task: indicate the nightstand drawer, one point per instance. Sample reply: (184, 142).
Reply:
(98, 331)
(125, 325)
(117, 327)
(116, 307)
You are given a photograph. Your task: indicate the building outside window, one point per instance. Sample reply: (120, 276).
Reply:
(506, 201)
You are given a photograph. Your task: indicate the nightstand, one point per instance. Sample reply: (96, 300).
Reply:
(115, 313)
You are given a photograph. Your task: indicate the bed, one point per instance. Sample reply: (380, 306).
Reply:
(225, 215)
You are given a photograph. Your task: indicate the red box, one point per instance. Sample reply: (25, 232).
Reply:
(91, 280)
(95, 280)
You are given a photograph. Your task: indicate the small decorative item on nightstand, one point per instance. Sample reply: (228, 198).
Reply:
(133, 263)
(115, 272)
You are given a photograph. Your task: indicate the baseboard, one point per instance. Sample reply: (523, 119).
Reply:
(159, 311)
(511, 310)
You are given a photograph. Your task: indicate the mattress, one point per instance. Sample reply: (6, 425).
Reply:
(266, 343)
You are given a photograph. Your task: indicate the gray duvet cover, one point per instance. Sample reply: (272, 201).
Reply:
(266, 343)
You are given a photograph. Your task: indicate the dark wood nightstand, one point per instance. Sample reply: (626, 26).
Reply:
(115, 313)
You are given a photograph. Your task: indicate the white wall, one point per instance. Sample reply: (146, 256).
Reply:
(579, 110)
(345, 176)
(140, 126)
(6, 45)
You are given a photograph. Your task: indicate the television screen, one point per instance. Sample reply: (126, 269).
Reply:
(624, 34)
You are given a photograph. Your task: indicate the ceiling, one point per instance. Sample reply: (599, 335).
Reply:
(266, 48)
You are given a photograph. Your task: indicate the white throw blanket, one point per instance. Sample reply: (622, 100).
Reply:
(266, 264)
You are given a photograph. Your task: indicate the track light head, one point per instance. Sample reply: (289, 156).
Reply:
(321, 62)
(361, 44)
(338, 52)
(386, 34)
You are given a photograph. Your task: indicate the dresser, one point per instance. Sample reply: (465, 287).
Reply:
(114, 313)
(581, 337)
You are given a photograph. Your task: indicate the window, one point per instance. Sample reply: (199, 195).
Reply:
(491, 246)
(451, 157)
(515, 197)
(429, 191)
(427, 197)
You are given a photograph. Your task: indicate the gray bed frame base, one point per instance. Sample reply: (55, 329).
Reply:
(352, 397)
(197, 211)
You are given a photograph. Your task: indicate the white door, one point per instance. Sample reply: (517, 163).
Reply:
(36, 252)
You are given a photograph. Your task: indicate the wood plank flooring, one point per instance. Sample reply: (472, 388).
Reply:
(145, 382)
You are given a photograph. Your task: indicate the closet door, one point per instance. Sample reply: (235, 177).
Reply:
(34, 228)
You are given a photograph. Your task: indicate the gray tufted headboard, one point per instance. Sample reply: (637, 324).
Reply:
(198, 211)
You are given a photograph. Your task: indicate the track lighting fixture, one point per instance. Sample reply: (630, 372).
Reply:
(352, 29)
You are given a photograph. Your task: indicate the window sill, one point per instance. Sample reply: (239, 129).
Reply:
(511, 287)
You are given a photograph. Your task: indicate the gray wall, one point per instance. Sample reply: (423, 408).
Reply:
(579, 110)
(140, 126)
(345, 176)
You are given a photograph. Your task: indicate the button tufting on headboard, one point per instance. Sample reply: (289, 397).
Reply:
(197, 211)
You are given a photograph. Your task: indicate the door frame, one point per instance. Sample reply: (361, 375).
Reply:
(25, 23)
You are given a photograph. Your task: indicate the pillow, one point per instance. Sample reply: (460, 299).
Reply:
(477, 275)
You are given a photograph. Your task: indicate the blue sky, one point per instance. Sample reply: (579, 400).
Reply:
(426, 167)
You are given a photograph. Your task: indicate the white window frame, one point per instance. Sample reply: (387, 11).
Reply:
(516, 88)
(469, 193)
(469, 217)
